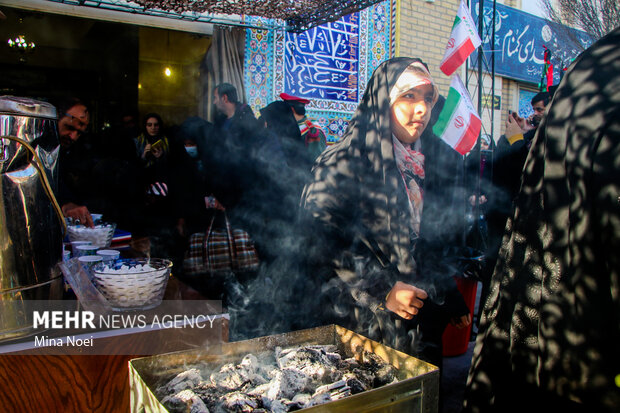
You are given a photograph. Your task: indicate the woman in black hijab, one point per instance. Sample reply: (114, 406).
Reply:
(281, 126)
(382, 210)
(550, 328)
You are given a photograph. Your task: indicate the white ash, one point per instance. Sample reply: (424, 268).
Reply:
(250, 362)
(299, 401)
(187, 379)
(230, 377)
(317, 399)
(326, 388)
(287, 383)
(233, 377)
(280, 381)
(209, 393)
(187, 401)
(257, 370)
(260, 390)
(239, 402)
(314, 361)
(278, 406)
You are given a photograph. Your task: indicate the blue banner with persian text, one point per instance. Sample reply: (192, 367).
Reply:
(322, 63)
(520, 41)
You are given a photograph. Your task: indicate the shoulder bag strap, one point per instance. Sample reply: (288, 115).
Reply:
(231, 244)
(205, 245)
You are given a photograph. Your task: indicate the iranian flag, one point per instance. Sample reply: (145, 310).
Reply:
(458, 124)
(463, 41)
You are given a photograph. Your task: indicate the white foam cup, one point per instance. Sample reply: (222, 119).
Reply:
(88, 261)
(82, 250)
(109, 255)
(75, 244)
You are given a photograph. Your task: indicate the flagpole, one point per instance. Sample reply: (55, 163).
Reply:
(478, 154)
(464, 171)
(491, 154)
(493, 71)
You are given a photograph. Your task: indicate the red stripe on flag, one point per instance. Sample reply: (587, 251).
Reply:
(468, 139)
(549, 76)
(458, 57)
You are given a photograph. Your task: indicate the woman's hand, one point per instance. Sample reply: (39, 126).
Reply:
(514, 125)
(405, 300)
(79, 213)
(180, 227)
(462, 321)
(528, 124)
(147, 149)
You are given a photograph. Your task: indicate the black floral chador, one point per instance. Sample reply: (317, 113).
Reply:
(360, 237)
(549, 337)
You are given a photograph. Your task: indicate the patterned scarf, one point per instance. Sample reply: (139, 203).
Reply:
(411, 166)
(309, 131)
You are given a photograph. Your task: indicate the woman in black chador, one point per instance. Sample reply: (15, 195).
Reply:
(550, 329)
(383, 218)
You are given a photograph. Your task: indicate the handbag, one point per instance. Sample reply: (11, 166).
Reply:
(220, 250)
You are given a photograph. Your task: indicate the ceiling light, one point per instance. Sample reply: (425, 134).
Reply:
(20, 44)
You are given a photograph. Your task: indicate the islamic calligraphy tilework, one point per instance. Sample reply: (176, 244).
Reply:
(322, 63)
(329, 64)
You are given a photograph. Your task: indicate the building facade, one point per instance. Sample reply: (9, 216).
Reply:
(331, 64)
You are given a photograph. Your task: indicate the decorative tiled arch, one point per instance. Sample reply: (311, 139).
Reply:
(266, 54)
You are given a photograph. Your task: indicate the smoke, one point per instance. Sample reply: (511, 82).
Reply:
(291, 289)
(270, 171)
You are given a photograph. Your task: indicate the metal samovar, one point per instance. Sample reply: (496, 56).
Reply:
(31, 223)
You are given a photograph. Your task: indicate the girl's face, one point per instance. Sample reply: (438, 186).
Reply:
(152, 126)
(411, 113)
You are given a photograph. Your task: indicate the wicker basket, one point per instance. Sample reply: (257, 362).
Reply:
(99, 236)
(139, 290)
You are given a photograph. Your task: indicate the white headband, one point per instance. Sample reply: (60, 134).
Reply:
(413, 76)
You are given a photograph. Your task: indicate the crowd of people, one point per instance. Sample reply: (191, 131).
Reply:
(368, 233)
(158, 182)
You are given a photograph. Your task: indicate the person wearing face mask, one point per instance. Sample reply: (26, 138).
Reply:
(197, 136)
(381, 212)
(192, 151)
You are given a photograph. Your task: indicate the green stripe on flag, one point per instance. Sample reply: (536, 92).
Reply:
(457, 20)
(452, 102)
